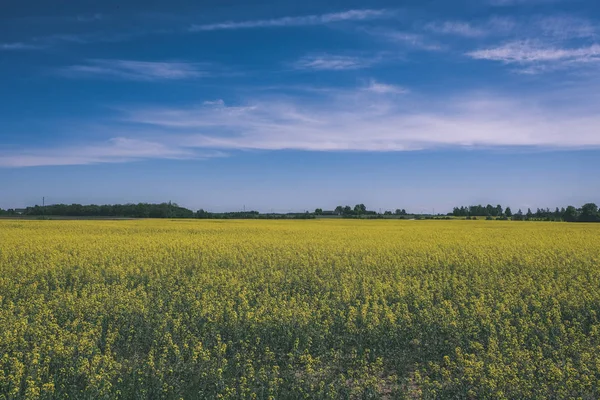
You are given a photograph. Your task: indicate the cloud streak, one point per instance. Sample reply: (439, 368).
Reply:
(116, 150)
(538, 57)
(332, 62)
(505, 3)
(366, 119)
(18, 46)
(384, 88)
(137, 70)
(458, 28)
(406, 38)
(323, 19)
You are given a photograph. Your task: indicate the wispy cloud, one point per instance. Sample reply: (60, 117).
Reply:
(408, 39)
(323, 19)
(18, 46)
(347, 120)
(113, 150)
(49, 41)
(361, 122)
(552, 28)
(137, 70)
(504, 3)
(384, 88)
(89, 17)
(116, 150)
(333, 62)
(458, 28)
(565, 27)
(543, 56)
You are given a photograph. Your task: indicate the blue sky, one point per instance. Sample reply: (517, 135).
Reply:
(288, 106)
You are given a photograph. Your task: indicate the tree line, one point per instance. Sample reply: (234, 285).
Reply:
(589, 212)
(357, 210)
(140, 210)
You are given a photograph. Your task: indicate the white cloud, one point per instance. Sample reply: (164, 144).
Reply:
(116, 150)
(44, 42)
(527, 52)
(137, 70)
(18, 46)
(354, 120)
(409, 39)
(383, 88)
(565, 27)
(89, 17)
(458, 28)
(216, 103)
(333, 62)
(366, 121)
(323, 19)
(504, 3)
(553, 28)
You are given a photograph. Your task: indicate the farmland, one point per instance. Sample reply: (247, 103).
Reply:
(299, 309)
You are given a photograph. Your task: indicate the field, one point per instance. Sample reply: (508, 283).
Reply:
(299, 309)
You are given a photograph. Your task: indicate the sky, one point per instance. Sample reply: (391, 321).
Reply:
(289, 106)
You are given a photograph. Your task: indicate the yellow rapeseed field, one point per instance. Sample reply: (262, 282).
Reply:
(155, 309)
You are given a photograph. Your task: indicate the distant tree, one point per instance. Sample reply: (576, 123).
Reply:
(499, 210)
(529, 214)
(360, 209)
(318, 211)
(589, 213)
(518, 216)
(339, 210)
(557, 214)
(570, 214)
(347, 210)
(387, 213)
(539, 214)
(203, 214)
(508, 212)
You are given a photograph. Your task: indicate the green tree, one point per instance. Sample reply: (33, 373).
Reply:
(360, 209)
(529, 214)
(570, 214)
(319, 211)
(508, 212)
(589, 212)
(499, 210)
